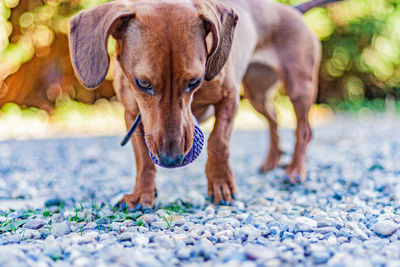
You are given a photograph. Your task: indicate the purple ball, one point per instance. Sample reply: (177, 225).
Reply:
(194, 152)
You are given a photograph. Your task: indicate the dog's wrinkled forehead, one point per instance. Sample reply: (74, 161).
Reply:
(167, 19)
(163, 35)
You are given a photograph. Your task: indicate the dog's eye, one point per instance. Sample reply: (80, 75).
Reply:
(144, 86)
(193, 84)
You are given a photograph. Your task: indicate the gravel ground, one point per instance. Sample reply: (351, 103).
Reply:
(56, 199)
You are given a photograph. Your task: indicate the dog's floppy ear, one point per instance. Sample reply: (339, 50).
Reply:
(88, 38)
(221, 21)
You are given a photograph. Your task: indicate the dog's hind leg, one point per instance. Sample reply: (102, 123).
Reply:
(299, 72)
(260, 85)
(296, 170)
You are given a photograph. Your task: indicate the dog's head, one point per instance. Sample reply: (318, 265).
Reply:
(162, 50)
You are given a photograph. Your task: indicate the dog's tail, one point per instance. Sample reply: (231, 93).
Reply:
(303, 8)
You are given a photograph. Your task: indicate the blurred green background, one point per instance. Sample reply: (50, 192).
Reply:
(360, 69)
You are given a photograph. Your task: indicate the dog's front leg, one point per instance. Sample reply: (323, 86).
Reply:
(144, 192)
(221, 183)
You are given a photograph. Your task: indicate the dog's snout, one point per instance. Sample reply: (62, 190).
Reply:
(170, 161)
(170, 153)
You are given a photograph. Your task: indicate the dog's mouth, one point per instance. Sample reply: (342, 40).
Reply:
(166, 161)
(179, 161)
(192, 155)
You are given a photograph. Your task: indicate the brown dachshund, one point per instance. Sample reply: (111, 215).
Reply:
(176, 58)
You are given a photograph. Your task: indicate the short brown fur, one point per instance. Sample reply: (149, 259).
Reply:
(168, 44)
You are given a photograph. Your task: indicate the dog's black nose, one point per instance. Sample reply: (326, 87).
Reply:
(170, 161)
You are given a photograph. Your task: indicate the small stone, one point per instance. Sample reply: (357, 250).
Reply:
(220, 239)
(226, 233)
(179, 237)
(60, 229)
(190, 241)
(56, 218)
(332, 240)
(82, 261)
(249, 219)
(35, 224)
(205, 249)
(140, 241)
(88, 237)
(147, 218)
(378, 260)
(206, 234)
(10, 239)
(106, 236)
(287, 235)
(164, 241)
(235, 223)
(251, 232)
(52, 248)
(30, 234)
(239, 204)
(45, 234)
(160, 225)
(210, 209)
(116, 226)
(211, 228)
(324, 230)
(90, 226)
(320, 254)
(102, 227)
(180, 222)
(224, 212)
(274, 230)
(305, 224)
(341, 259)
(345, 232)
(103, 220)
(357, 231)
(257, 252)
(125, 236)
(240, 234)
(241, 217)
(386, 227)
(128, 223)
(54, 252)
(142, 229)
(224, 236)
(184, 253)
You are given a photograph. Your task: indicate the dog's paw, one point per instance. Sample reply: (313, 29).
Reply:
(296, 173)
(271, 162)
(221, 192)
(137, 201)
(269, 165)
